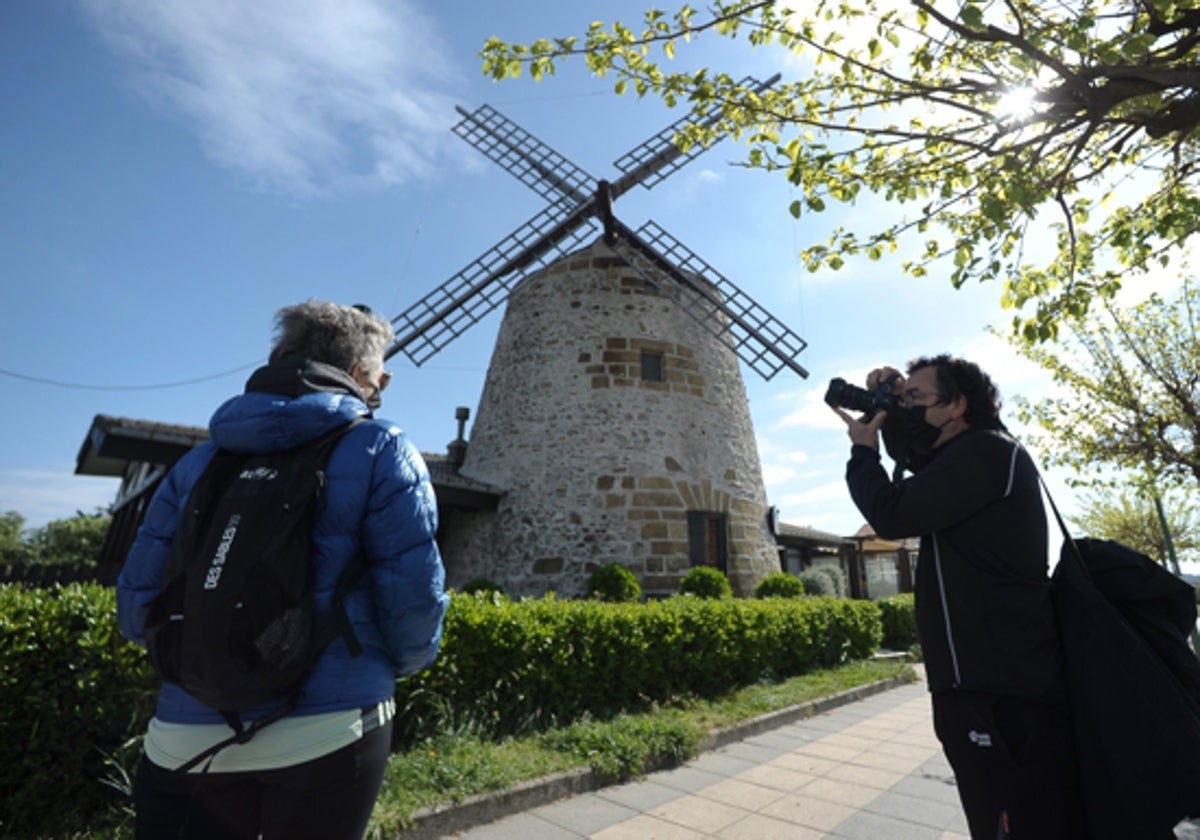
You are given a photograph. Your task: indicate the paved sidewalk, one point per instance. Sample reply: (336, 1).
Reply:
(865, 771)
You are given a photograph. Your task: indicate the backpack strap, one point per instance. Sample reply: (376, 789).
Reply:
(336, 622)
(241, 733)
(1068, 540)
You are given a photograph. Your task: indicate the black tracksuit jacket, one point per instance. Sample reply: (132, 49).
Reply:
(984, 613)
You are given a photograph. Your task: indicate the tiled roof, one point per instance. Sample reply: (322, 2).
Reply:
(811, 534)
(444, 473)
(113, 442)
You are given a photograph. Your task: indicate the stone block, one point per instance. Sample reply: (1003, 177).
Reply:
(656, 500)
(656, 483)
(656, 530)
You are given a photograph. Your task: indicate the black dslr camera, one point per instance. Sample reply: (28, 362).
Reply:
(841, 394)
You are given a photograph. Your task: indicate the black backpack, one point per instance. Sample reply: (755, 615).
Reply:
(235, 624)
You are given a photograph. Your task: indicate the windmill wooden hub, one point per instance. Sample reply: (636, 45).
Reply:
(614, 415)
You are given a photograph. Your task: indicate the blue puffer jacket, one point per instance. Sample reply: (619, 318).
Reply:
(378, 498)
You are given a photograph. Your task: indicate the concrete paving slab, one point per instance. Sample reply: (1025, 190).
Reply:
(868, 771)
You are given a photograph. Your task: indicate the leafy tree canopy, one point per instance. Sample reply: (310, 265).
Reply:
(76, 539)
(11, 526)
(1129, 394)
(1134, 521)
(992, 127)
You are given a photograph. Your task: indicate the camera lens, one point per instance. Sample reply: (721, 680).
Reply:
(841, 394)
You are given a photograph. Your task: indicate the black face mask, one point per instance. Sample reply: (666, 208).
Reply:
(919, 434)
(374, 401)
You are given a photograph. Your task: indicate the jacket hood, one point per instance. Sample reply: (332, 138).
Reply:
(286, 403)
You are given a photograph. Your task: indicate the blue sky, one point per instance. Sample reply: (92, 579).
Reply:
(172, 172)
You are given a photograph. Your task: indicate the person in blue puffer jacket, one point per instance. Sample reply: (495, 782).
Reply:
(315, 773)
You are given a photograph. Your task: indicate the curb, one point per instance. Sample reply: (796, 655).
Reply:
(476, 810)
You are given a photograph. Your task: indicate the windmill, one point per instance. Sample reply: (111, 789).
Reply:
(584, 326)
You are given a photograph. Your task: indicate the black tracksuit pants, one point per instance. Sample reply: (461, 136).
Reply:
(1014, 764)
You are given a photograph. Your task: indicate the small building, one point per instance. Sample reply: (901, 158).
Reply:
(140, 453)
(802, 548)
(887, 565)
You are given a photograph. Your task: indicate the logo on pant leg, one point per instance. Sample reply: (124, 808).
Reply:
(980, 739)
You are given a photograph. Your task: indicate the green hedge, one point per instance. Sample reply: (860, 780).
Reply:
(899, 621)
(72, 692)
(510, 667)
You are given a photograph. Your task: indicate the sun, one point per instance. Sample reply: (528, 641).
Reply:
(1017, 103)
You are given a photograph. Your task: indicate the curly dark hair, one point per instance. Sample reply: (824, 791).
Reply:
(960, 378)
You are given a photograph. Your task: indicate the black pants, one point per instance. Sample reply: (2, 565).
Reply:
(328, 798)
(1014, 764)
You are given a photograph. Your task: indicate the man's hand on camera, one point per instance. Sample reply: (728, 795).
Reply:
(883, 374)
(864, 432)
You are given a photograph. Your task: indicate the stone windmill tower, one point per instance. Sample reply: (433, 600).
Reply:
(614, 416)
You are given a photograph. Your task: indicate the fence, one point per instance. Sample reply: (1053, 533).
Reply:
(46, 574)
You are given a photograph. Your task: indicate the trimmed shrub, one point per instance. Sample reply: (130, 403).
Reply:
(508, 667)
(705, 582)
(899, 617)
(837, 579)
(816, 583)
(614, 583)
(72, 693)
(779, 585)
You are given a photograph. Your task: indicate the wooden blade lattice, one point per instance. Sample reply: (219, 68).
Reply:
(575, 211)
(760, 340)
(530, 161)
(471, 294)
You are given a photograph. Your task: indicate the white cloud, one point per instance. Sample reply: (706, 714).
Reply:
(776, 474)
(300, 97)
(44, 495)
(833, 491)
(810, 412)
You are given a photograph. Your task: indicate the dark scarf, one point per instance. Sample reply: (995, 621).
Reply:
(293, 376)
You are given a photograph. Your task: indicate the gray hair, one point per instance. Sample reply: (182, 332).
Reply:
(337, 335)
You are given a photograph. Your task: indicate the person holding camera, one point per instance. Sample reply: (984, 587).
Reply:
(983, 603)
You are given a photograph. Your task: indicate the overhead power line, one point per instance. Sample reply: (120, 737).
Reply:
(85, 386)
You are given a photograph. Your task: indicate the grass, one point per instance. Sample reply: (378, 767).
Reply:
(450, 768)
(453, 766)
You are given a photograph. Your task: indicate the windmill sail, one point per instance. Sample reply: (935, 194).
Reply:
(659, 157)
(471, 294)
(578, 204)
(528, 159)
(764, 343)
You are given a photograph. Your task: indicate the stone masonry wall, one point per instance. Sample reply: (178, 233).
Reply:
(599, 464)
